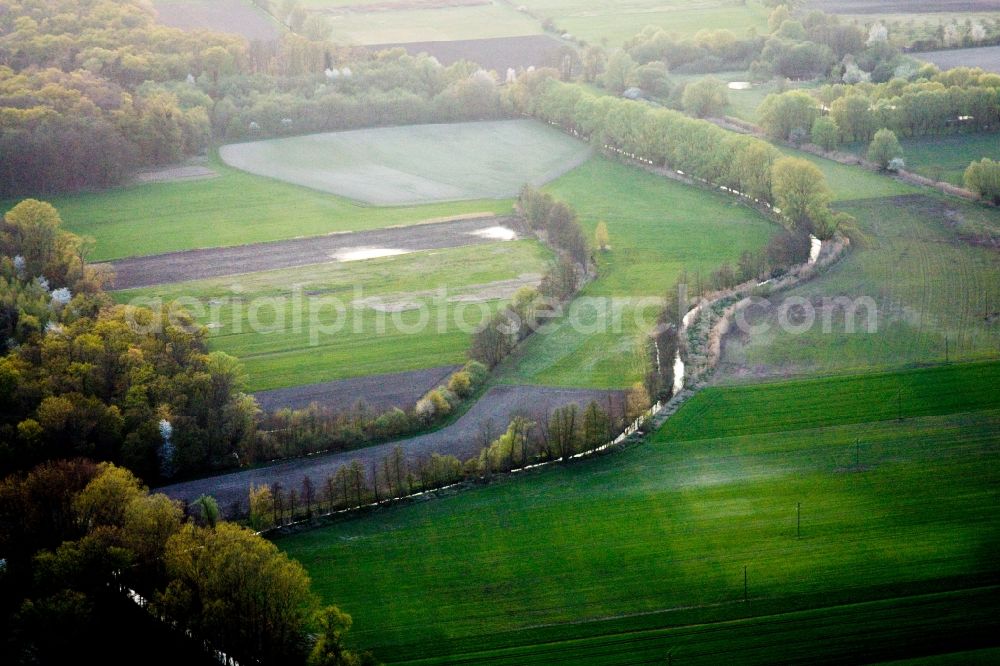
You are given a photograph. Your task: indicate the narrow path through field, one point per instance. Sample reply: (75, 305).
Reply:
(219, 262)
(464, 438)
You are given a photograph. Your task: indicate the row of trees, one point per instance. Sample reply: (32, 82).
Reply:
(798, 47)
(944, 104)
(698, 149)
(556, 223)
(528, 439)
(289, 433)
(75, 536)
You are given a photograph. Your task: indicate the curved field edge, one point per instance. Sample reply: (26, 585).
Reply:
(924, 286)
(889, 507)
(416, 164)
(658, 229)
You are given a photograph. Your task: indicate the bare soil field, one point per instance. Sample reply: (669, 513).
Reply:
(903, 6)
(239, 17)
(496, 54)
(218, 262)
(464, 438)
(380, 392)
(985, 57)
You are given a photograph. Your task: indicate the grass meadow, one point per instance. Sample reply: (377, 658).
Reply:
(848, 182)
(234, 208)
(642, 553)
(415, 24)
(616, 22)
(936, 295)
(373, 339)
(943, 157)
(416, 163)
(658, 229)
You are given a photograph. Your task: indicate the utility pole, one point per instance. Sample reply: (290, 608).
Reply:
(946, 349)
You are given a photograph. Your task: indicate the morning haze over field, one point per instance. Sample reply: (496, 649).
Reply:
(342, 332)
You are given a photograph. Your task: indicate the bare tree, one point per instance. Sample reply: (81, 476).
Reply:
(308, 495)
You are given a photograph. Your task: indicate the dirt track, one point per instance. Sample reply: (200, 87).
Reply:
(380, 392)
(218, 262)
(463, 439)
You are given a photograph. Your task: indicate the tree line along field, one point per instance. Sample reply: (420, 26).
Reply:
(416, 163)
(233, 208)
(371, 341)
(658, 228)
(937, 294)
(642, 552)
(666, 228)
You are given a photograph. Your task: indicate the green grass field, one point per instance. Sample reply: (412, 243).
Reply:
(475, 21)
(658, 228)
(619, 21)
(295, 342)
(851, 182)
(416, 163)
(641, 553)
(943, 157)
(234, 208)
(934, 295)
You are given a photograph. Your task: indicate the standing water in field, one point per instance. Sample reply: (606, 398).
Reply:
(815, 245)
(496, 233)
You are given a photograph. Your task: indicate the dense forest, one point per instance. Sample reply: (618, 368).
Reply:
(92, 90)
(79, 540)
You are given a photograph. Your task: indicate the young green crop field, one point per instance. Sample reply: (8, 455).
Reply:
(934, 295)
(641, 554)
(416, 163)
(411, 23)
(335, 321)
(943, 157)
(658, 229)
(234, 208)
(618, 21)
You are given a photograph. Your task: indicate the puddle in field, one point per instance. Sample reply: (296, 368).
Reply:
(496, 233)
(362, 253)
(739, 85)
(815, 245)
